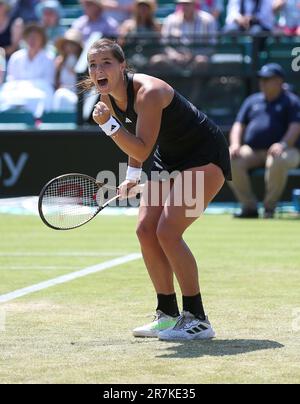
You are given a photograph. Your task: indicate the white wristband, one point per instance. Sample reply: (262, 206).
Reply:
(110, 127)
(133, 174)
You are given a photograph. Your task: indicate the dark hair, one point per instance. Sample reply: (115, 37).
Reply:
(33, 27)
(103, 45)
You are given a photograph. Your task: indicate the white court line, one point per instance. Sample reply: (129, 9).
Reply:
(37, 267)
(61, 254)
(69, 277)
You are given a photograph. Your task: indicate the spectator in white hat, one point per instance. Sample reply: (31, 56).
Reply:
(49, 13)
(69, 48)
(143, 21)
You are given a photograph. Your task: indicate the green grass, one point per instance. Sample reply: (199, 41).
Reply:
(80, 332)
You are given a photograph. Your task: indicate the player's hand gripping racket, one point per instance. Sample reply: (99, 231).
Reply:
(71, 200)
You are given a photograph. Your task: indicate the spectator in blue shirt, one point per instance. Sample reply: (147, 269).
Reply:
(94, 20)
(269, 124)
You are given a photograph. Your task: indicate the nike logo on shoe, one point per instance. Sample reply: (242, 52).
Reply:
(127, 120)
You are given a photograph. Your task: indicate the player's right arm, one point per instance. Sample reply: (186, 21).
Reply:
(134, 166)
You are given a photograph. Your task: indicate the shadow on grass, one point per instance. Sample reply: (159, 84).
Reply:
(196, 349)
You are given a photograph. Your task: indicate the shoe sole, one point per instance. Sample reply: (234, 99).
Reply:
(140, 335)
(205, 335)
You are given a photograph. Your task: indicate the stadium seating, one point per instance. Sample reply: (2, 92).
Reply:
(58, 120)
(278, 49)
(16, 119)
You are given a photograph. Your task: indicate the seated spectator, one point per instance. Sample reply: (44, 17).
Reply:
(185, 26)
(94, 20)
(2, 65)
(289, 20)
(269, 121)
(120, 10)
(30, 75)
(250, 16)
(49, 13)
(25, 9)
(11, 30)
(69, 49)
(213, 7)
(143, 21)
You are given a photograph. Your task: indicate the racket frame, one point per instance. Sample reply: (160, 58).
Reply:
(84, 176)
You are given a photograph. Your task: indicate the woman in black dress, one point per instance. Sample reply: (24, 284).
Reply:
(138, 112)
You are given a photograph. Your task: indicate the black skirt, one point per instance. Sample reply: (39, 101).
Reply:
(211, 148)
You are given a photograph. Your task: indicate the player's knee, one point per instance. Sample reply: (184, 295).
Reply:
(145, 232)
(166, 235)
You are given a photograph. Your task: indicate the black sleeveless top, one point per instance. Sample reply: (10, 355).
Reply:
(187, 138)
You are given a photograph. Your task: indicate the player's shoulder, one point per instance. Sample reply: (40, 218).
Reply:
(150, 88)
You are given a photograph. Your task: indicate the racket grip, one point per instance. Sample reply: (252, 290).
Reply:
(138, 188)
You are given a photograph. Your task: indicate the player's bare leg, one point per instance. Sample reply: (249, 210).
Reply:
(158, 266)
(172, 224)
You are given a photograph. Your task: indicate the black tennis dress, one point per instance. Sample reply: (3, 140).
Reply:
(187, 138)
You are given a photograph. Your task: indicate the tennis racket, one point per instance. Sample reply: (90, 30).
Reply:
(72, 200)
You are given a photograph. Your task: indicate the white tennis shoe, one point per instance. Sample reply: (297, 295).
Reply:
(161, 322)
(188, 327)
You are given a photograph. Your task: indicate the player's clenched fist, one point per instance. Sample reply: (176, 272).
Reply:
(101, 113)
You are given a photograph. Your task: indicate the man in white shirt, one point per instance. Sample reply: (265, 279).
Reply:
(251, 16)
(186, 26)
(188, 22)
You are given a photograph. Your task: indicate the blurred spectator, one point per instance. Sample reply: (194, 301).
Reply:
(69, 49)
(49, 13)
(253, 16)
(2, 65)
(25, 9)
(30, 75)
(94, 20)
(185, 26)
(213, 7)
(188, 22)
(11, 31)
(289, 19)
(270, 123)
(143, 21)
(120, 10)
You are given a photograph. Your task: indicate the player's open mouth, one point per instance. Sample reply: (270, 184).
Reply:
(102, 83)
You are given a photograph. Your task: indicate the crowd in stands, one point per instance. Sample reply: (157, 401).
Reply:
(41, 52)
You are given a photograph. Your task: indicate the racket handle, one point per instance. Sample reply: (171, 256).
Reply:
(138, 188)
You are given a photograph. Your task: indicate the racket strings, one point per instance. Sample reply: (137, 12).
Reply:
(71, 201)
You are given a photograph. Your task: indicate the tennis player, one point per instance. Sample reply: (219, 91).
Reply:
(137, 112)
